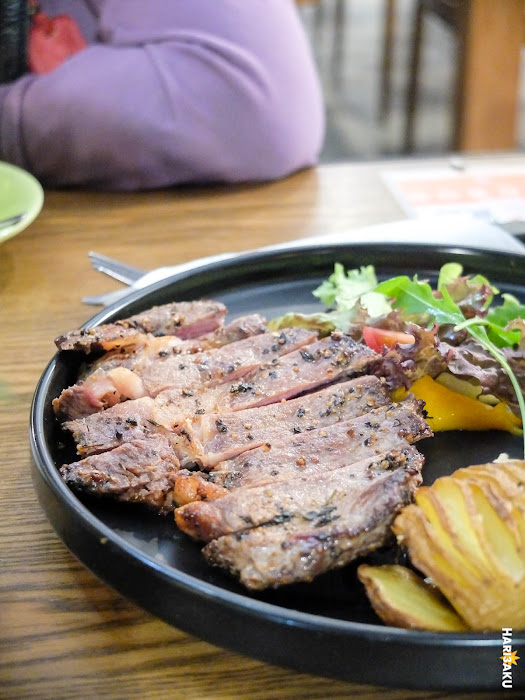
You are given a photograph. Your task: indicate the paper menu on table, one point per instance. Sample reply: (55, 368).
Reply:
(495, 193)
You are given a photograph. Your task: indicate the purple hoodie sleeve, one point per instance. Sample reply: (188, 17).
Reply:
(172, 91)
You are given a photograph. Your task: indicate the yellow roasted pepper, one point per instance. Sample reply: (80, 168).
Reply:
(449, 410)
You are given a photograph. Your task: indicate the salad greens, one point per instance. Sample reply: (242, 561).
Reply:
(416, 297)
(345, 291)
(351, 297)
(451, 278)
(462, 303)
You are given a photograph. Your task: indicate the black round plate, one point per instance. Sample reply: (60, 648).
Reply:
(326, 627)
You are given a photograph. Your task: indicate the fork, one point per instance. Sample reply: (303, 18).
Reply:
(126, 272)
(115, 268)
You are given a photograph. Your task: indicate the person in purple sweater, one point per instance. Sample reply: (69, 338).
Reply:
(169, 92)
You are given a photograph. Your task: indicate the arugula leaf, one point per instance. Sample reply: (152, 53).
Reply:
(417, 297)
(506, 312)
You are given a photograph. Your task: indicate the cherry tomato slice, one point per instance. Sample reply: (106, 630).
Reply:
(378, 338)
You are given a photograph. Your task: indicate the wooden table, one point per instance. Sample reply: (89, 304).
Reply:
(64, 634)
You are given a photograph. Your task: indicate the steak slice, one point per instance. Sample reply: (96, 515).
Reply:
(139, 471)
(218, 437)
(336, 357)
(318, 525)
(185, 374)
(309, 455)
(237, 329)
(109, 429)
(185, 319)
(323, 362)
(278, 502)
(151, 348)
(221, 365)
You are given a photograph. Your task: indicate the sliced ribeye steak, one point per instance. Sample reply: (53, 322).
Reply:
(185, 319)
(152, 348)
(326, 361)
(308, 455)
(184, 374)
(217, 437)
(319, 525)
(140, 471)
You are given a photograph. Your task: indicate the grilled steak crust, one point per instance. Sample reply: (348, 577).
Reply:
(140, 471)
(109, 429)
(184, 375)
(218, 437)
(324, 362)
(313, 366)
(311, 454)
(152, 348)
(221, 365)
(190, 487)
(310, 536)
(185, 319)
(175, 411)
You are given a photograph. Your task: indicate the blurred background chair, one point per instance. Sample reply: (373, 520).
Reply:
(485, 91)
(340, 22)
(418, 76)
(452, 14)
(338, 26)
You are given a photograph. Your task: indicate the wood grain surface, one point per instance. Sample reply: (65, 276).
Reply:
(63, 633)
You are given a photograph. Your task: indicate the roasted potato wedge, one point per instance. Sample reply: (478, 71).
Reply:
(466, 533)
(403, 599)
